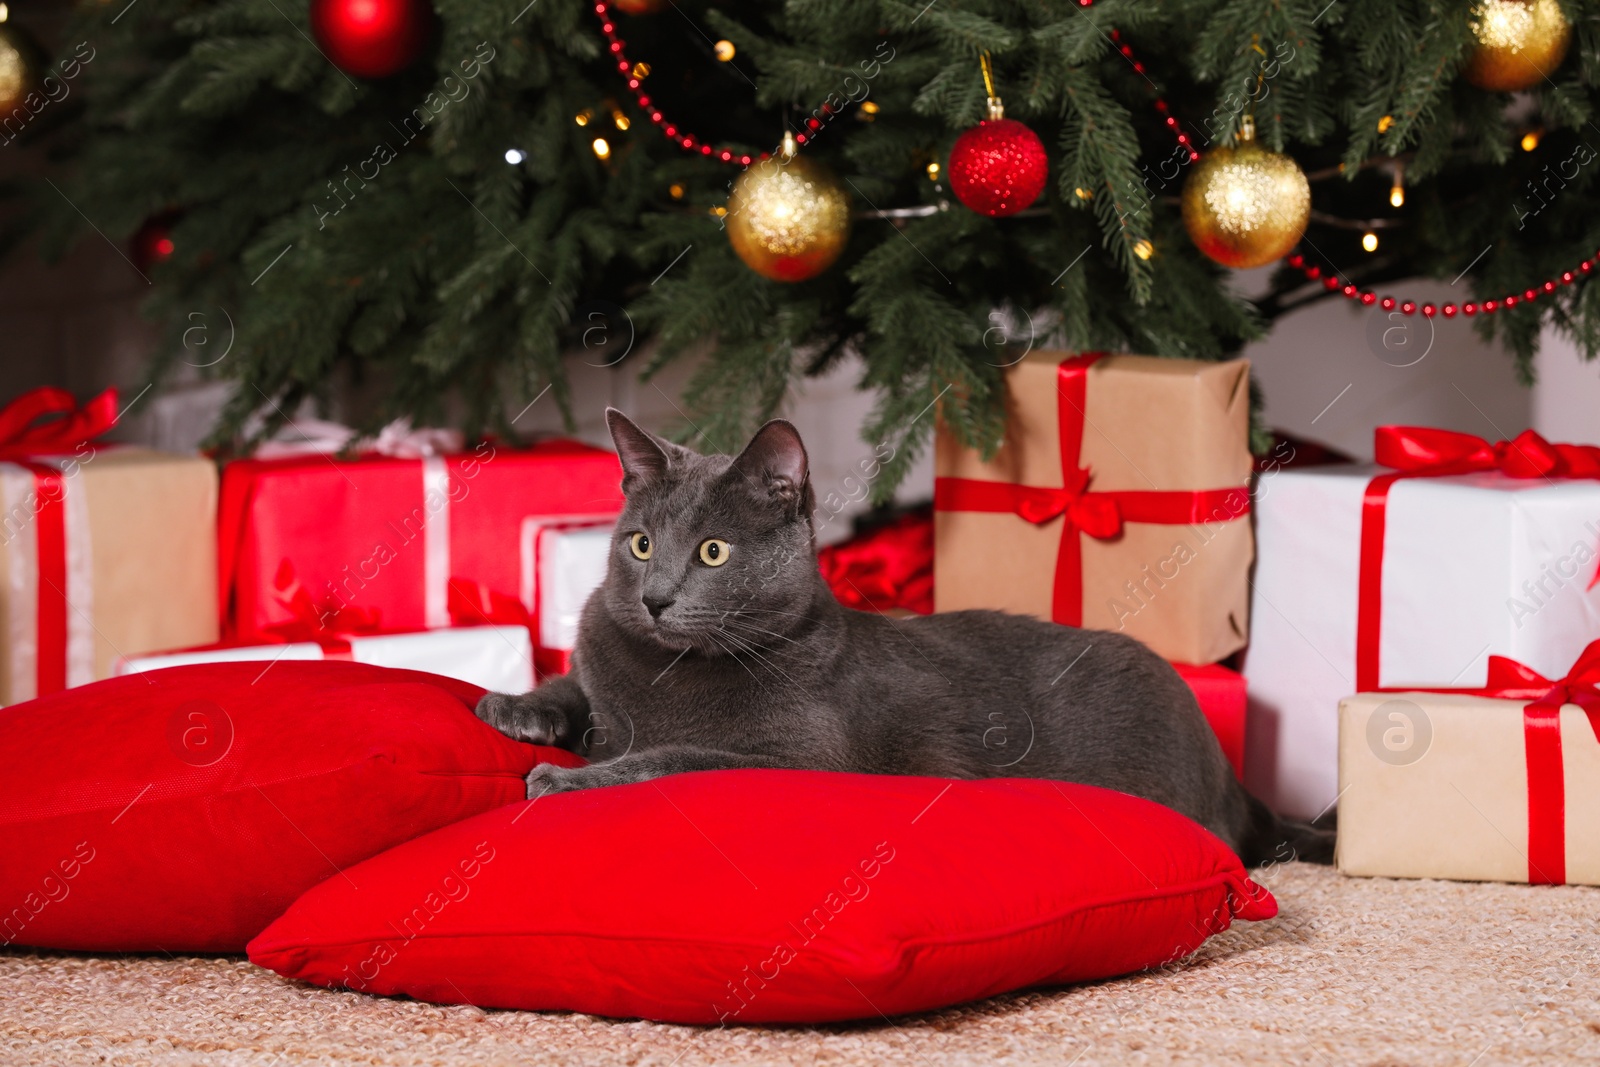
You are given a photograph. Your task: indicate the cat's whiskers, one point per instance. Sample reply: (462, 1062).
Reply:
(734, 655)
(777, 671)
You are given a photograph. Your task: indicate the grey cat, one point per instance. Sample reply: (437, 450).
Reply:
(715, 643)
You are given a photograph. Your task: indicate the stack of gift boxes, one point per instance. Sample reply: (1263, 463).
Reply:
(472, 564)
(1417, 641)
(1420, 637)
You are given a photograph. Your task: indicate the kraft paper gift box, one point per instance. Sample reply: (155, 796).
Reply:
(498, 658)
(108, 549)
(1473, 787)
(1119, 501)
(1410, 573)
(389, 535)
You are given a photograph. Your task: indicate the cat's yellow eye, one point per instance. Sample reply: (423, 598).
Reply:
(713, 552)
(640, 543)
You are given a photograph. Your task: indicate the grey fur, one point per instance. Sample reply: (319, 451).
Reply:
(755, 664)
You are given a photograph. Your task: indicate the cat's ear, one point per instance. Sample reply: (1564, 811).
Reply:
(644, 456)
(775, 459)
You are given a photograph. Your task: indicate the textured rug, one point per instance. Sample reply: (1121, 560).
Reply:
(1353, 971)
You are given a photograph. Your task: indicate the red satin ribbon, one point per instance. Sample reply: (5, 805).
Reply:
(1541, 735)
(22, 436)
(891, 567)
(1098, 514)
(474, 604)
(1424, 452)
(331, 629)
(50, 526)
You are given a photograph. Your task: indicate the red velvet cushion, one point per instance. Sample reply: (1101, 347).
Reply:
(770, 896)
(184, 809)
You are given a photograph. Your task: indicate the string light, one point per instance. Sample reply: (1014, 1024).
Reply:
(1083, 194)
(675, 191)
(1384, 123)
(1369, 241)
(619, 120)
(1530, 140)
(724, 50)
(1143, 248)
(582, 118)
(601, 148)
(515, 156)
(933, 172)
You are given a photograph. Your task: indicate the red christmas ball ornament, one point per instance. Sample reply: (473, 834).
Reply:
(371, 38)
(998, 167)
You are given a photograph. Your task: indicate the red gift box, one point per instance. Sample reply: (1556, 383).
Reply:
(1221, 695)
(387, 537)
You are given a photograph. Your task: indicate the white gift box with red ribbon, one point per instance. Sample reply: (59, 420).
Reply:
(498, 658)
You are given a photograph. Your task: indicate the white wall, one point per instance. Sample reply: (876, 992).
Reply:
(1333, 371)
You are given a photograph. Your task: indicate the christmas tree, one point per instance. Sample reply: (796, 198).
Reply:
(434, 221)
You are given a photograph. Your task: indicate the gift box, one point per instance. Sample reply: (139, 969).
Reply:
(1499, 783)
(1118, 501)
(387, 535)
(1221, 695)
(108, 549)
(1410, 573)
(562, 564)
(498, 658)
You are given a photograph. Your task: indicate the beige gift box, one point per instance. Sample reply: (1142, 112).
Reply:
(1435, 785)
(139, 533)
(1148, 424)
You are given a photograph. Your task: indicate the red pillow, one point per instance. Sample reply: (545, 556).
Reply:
(184, 809)
(770, 896)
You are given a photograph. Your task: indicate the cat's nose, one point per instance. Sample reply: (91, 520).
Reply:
(655, 605)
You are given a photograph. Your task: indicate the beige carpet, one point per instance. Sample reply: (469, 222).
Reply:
(1353, 971)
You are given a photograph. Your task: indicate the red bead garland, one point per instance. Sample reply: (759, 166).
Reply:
(1408, 307)
(686, 140)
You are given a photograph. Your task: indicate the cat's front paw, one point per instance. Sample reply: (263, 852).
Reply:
(548, 778)
(524, 717)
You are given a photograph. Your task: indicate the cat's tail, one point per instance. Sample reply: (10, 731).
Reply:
(1273, 839)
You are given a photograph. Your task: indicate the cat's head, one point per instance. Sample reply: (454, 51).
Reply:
(710, 551)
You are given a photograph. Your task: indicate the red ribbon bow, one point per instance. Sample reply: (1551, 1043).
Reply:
(1541, 735)
(1424, 452)
(23, 435)
(331, 627)
(475, 604)
(1098, 514)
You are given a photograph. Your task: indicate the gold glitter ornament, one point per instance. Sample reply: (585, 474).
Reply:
(788, 217)
(21, 64)
(1246, 206)
(1520, 43)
